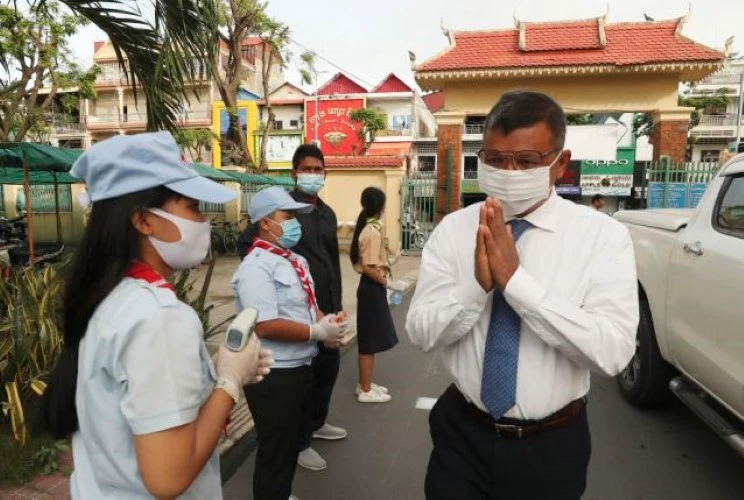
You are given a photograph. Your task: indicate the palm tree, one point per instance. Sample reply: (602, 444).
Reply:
(162, 53)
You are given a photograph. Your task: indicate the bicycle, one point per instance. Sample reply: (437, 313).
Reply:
(225, 236)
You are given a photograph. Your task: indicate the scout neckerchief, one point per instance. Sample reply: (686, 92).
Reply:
(301, 273)
(141, 271)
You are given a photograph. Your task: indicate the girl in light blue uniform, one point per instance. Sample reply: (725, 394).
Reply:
(135, 384)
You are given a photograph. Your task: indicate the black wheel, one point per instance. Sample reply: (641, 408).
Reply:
(230, 242)
(645, 381)
(419, 240)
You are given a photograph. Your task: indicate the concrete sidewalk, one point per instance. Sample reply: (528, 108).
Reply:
(220, 295)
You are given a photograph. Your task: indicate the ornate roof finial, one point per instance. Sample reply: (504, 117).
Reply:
(445, 31)
(728, 48)
(412, 58)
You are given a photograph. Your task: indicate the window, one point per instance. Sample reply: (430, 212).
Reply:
(402, 122)
(427, 163)
(710, 155)
(730, 210)
(471, 167)
(294, 124)
(278, 125)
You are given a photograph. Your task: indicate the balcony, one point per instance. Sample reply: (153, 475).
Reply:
(474, 128)
(108, 120)
(718, 121)
(68, 129)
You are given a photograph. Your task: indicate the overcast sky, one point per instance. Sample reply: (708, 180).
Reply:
(371, 39)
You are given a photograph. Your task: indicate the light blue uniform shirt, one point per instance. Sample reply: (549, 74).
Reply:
(143, 368)
(269, 284)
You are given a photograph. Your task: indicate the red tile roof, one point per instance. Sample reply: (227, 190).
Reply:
(575, 43)
(363, 161)
(391, 83)
(434, 101)
(389, 149)
(341, 84)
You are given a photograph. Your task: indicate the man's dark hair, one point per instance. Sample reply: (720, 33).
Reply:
(305, 151)
(596, 198)
(522, 109)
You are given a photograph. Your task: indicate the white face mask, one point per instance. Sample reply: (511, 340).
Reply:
(191, 249)
(517, 190)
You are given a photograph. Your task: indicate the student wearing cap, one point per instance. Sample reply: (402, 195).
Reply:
(134, 383)
(277, 283)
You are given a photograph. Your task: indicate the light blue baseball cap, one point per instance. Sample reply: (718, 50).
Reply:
(131, 163)
(268, 201)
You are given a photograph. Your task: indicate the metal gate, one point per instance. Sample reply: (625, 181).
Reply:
(418, 211)
(676, 185)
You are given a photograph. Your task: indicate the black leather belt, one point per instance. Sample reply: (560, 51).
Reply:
(518, 429)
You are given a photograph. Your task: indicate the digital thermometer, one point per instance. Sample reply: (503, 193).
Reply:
(241, 329)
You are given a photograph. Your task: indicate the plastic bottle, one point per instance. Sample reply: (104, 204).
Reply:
(396, 297)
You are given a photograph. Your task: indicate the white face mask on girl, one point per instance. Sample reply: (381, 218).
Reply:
(191, 249)
(517, 190)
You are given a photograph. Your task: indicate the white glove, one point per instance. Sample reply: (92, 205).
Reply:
(397, 286)
(237, 369)
(331, 328)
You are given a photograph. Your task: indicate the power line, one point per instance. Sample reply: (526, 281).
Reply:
(349, 73)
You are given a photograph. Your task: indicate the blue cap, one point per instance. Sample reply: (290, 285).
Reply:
(268, 201)
(131, 163)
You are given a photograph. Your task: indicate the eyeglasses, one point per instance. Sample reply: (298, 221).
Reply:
(522, 160)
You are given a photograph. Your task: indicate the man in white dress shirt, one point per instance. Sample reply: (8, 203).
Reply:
(525, 295)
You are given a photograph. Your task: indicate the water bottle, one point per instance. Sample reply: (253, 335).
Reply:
(396, 297)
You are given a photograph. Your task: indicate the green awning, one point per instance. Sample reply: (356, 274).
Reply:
(212, 173)
(265, 180)
(15, 176)
(39, 157)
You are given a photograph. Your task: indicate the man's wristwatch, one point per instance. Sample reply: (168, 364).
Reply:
(230, 387)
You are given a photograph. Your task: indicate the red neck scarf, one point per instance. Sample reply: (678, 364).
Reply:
(301, 273)
(141, 271)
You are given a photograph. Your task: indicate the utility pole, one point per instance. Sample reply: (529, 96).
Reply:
(739, 112)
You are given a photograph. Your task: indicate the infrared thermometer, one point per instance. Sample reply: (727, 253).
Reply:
(241, 329)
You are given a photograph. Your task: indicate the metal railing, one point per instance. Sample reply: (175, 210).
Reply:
(475, 128)
(103, 119)
(136, 117)
(718, 120)
(677, 185)
(68, 128)
(43, 198)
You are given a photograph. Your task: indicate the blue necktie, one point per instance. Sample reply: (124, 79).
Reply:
(499, 382)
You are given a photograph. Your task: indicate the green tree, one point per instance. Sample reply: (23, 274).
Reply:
(195, 141)
(164, 48)
(372, 122)
(236, 20)
(643, 124)
(275, 37)
(36, 64)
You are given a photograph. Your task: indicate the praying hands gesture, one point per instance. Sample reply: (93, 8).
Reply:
(496, 258)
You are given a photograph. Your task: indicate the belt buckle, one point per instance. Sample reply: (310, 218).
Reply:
(515, 429)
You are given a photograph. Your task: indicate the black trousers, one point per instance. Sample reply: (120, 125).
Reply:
(280, 406)
(325, 372)
(471, 462)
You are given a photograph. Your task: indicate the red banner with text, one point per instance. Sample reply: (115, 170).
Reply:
(333, 128)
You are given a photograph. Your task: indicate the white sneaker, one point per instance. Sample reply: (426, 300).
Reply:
(374, 387)
(373, 396)
(330, 433)
(311, 460)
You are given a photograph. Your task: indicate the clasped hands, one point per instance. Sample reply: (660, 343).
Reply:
(496, 258)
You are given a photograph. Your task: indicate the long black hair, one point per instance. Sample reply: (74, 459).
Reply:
(109, 246)
(373, 202)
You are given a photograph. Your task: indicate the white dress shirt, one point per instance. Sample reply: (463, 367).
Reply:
(575, 291)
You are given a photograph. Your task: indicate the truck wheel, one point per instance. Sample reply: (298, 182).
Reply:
(645, 381)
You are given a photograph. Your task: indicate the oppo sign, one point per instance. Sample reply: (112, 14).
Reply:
(602, 163)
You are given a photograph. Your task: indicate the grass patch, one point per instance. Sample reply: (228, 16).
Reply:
(40, 456)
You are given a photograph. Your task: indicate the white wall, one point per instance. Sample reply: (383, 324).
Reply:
(592, 142)
(287, 113)
(392, 107)
(644, 149)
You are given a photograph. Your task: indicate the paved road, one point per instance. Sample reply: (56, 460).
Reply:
(664, 455)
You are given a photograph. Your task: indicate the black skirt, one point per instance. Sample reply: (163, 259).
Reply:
(375, 327)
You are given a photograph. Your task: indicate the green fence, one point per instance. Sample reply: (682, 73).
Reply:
(676, 185)
(247, 190)
(418, 210)
(43, 198)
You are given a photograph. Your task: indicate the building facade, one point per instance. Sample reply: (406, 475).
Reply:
(719, 129)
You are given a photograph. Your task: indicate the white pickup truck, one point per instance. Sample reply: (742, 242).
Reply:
(691, 285)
